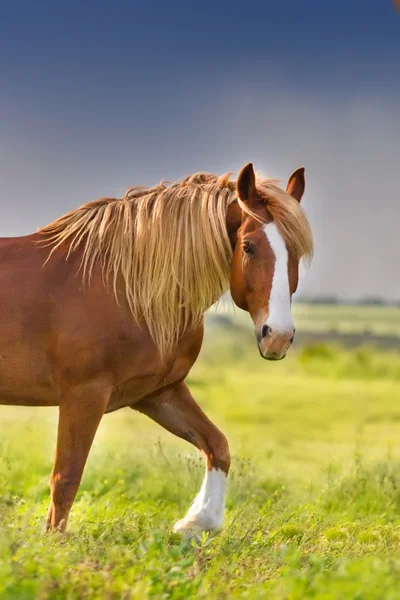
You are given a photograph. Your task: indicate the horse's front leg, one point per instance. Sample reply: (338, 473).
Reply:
(81, 409)
(177, 411)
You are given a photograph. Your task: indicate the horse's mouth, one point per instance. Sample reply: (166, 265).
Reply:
(271, 358)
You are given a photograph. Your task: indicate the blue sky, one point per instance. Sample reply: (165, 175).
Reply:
(97, 96)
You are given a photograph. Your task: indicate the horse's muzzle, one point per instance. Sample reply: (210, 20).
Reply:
(274, 345)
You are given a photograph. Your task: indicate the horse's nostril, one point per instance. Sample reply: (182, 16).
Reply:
(266, 330)
(292, 338)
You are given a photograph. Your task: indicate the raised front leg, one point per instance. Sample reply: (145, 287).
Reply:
(81, 410)
(177, 411)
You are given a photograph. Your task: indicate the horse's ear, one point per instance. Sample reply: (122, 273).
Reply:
(246, 185)
(297, 184)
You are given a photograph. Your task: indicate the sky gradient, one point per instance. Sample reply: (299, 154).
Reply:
(98, 96)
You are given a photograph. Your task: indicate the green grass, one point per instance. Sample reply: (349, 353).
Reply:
(313, 508)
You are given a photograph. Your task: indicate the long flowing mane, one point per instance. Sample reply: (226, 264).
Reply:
(170, 246)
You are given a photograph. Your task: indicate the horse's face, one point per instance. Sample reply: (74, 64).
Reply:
(264, 273)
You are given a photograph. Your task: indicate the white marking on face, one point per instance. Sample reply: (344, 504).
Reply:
(207, 510)
(279, 315)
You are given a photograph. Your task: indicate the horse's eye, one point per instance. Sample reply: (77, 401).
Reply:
(248, 248)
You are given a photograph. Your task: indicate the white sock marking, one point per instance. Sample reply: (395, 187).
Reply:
(207, 510)
(279, 315)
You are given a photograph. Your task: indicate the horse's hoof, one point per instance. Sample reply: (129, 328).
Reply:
(188, 529)
(191, 527)
(49, 528)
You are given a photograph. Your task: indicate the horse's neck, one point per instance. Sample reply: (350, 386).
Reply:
(233, 221)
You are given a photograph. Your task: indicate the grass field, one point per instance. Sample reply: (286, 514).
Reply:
(313, 508)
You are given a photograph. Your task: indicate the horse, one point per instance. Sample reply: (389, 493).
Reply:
(103, 309)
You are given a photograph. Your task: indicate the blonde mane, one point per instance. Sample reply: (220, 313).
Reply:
(169, 246)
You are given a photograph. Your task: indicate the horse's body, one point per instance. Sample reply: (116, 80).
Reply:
(51, 336)
(73, 340)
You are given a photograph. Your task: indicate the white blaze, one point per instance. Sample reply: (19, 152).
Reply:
(279, 314)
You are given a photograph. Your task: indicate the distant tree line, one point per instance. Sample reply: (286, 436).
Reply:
(364, 301)
(227, 301)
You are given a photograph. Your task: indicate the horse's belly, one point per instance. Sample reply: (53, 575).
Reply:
(20, 387)
(17, 388)
(26, 377)
(28, 400)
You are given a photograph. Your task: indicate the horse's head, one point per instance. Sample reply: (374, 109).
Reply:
(265, 267)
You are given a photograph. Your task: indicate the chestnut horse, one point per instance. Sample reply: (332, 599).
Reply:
(103, 309)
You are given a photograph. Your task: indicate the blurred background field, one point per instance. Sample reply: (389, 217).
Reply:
(314, 496)
(351, 324)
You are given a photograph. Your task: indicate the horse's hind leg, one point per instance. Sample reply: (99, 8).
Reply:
(177, 411)
(81, 410)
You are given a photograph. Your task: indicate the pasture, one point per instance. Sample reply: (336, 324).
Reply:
(313, 507)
